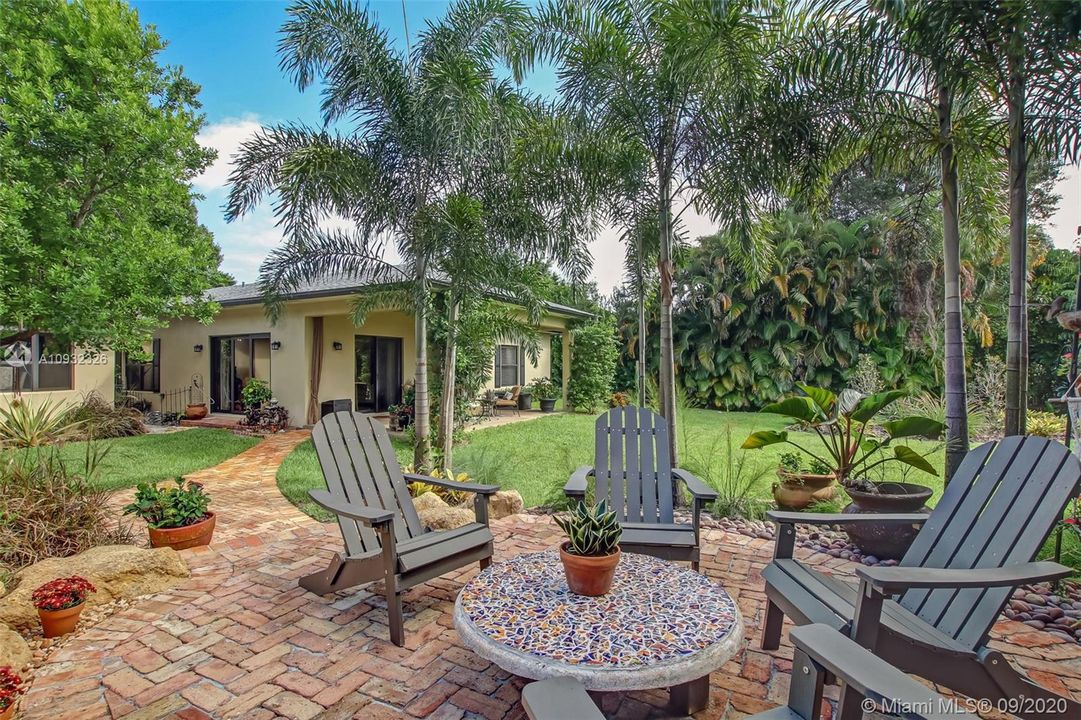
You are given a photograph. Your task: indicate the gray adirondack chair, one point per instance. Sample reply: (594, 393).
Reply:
(931, 614)
(820, 651)
(634, 475)
(384, 538)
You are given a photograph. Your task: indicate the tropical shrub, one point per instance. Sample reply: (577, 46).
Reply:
(1045, 424)
(544, 389)
(185, 504)
(11, 687)
(591, 531)
(593, 365)
(99, 419)
(256, 393)
(451, 497)
(619, 399)
(49, 510)
(24, 424)
(734, 474)
(62, 593)
(852, 443)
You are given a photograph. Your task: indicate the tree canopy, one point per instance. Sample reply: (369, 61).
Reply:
(101, 243)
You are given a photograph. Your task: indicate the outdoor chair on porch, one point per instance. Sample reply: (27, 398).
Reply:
(383, 536)
(932, 614)
(634, 475)
(510, 403)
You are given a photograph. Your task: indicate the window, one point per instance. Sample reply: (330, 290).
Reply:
(144, 376)
(34, 361)
(508, 368)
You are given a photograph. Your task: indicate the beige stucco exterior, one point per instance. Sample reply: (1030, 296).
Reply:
(92, 374)
(288, 372)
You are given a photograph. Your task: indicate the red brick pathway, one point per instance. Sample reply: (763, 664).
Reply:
(241, 640)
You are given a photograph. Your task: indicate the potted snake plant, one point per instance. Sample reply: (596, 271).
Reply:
(591, 551)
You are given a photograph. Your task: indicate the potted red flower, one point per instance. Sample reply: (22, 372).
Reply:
(11, 687)
(60, 602)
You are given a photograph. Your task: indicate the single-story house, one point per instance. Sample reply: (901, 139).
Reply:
(313, 353)
(39, 369)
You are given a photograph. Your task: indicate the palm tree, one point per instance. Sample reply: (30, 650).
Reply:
(680, 81)
(419, 130)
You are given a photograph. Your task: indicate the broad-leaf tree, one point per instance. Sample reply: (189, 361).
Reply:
(101, 245)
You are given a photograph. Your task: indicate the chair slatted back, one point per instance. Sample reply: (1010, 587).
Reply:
(1002, 503)
(632, 465)
(359, 466)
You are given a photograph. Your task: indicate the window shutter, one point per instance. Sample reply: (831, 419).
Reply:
(498, 368)
(521, 366)
(155, 374)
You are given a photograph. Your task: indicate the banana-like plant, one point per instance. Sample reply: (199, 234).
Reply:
(592, 531)
(853, 444)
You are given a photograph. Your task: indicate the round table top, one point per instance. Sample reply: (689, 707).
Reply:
(660, 625)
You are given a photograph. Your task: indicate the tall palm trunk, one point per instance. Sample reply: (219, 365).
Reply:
(446, 402)
(422, 403)
(956, 398)
(641, 320)
(1016, 340)
(667, 380)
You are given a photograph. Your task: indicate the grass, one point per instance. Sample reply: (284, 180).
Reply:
(156, 456)
(536, 457)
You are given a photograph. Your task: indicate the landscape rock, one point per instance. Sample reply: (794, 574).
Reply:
(505, 503)
(435, 513)
(117, 571)
(14, 652)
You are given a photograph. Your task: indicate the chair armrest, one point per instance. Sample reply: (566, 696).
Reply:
(372, 517)
(870, 676)
(576, 486)
(800, 518)
(894, 579)
(453, 484)
(695, 487)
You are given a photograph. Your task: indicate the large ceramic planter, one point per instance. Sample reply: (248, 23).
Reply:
(548, 405)
(525, 401)
(196, 412)
(796, 491)
(589, 576)
(55, 623)
(185, 537)
(886, 541)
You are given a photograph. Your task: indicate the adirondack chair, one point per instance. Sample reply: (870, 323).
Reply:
(820, 651)
(634, 475)
(971, 552)
(383, 536)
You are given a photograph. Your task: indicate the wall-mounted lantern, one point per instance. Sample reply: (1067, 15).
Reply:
(276, 345)
(338, 345)
(198, 347)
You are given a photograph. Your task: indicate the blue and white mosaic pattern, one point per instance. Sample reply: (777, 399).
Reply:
(656, 612)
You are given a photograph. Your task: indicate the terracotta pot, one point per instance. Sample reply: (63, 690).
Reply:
(795, 491)
(590, 576)
(8, 712)
(184, 537)
(55, 623)
(196, 412)
(886, 541)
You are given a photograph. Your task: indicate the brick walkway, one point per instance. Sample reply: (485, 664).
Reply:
(241, 640)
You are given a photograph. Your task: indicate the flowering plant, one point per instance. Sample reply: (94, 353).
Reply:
(62, 593)
(11, 686)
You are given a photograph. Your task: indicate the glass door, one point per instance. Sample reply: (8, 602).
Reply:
(378, 377)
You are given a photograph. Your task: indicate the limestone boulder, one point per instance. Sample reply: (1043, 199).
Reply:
(14, 652)
(435, 513)
(505, 503)
(117, 571)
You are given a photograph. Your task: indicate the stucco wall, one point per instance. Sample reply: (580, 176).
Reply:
(87, 378)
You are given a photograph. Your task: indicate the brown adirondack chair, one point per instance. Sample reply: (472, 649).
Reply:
(383, 536)
(634, 475)
(971, 552)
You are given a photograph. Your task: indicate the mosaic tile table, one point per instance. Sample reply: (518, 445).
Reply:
(661, 625)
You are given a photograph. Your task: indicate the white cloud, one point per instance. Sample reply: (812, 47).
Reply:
(1066, 221)
(225, 137)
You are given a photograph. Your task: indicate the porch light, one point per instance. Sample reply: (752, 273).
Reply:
(276, 345)
(337, 345)
(198, 347)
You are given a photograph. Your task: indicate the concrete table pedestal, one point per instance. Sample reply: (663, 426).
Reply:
(661, 626)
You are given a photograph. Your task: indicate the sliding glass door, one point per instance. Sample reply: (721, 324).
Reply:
(234, 362)
(378, 377)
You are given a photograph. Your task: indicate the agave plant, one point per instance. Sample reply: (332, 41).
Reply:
(592, 531)
(852, 443)
(28, 425)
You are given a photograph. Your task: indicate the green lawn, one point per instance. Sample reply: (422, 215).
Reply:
(155, 456)
(538, 456)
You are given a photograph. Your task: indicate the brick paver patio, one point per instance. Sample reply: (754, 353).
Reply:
(241, 640)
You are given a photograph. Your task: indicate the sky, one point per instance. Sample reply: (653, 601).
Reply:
(230, 49)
